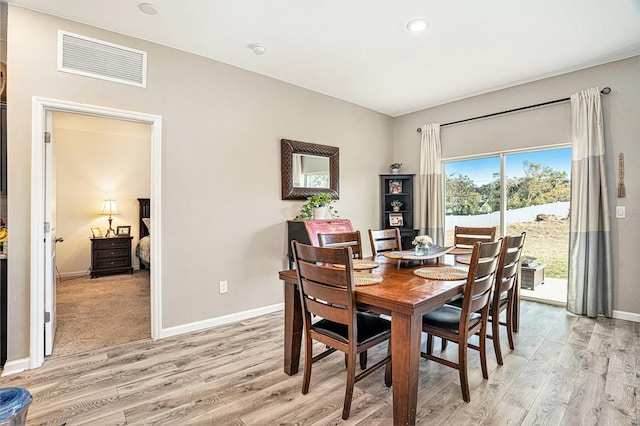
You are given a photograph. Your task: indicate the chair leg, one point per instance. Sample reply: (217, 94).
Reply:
(462, 370)
(510, 326)
(495, 336)
(351, 380)
(483, 351)
(443, 346)
(429, 344)
(363, 360)
(308, 360)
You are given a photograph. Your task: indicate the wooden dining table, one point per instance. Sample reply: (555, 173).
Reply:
(402, 295)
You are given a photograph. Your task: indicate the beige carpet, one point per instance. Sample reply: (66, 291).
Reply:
(101, 312)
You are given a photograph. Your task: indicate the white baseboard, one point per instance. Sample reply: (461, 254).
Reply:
(627, 316)
(212, 322)
(15, 367)
(75, 274)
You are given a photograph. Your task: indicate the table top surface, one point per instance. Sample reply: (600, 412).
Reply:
(401, 290)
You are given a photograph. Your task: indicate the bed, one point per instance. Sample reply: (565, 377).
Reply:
(143, 249)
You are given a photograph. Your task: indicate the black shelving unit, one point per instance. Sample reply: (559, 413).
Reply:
(398, 187)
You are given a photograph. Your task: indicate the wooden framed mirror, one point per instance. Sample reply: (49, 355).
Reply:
(308, 169)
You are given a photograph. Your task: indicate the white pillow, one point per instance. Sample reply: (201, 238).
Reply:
(147, 223)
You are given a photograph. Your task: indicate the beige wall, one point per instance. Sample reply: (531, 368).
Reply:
(97, 158)
(551, 126)
(223, 218)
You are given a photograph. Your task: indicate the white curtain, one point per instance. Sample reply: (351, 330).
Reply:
(590, 269)
(431, 209)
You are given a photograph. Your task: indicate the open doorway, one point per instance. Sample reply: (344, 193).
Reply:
(518, 192)
(41, 271)
(99, 159)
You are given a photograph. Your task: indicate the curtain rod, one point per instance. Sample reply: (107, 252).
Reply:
(604, 91)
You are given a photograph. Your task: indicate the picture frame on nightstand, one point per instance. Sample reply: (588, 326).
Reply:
(123, 231)
(96, 233)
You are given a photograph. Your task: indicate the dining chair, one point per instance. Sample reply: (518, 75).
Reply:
(459, 324)
(384, 240)
(342, 239)
(504, 293)
(328, 294)
(466, 236)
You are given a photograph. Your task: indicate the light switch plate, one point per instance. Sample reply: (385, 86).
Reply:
(620, 212)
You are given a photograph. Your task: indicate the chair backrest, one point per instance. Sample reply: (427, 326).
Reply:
(466, 237)
(384, 240)
(326, 291)
(342, 239)
(507, 273)
(480, 280)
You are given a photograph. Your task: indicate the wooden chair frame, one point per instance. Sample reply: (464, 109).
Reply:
(342, 239)
(504, 294)
(466, 237)
(383, 240)
(477, 295)
(328, 293)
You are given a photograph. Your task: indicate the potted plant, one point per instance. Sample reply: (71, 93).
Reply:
(318, 206)
(396, 204)
(395, 168)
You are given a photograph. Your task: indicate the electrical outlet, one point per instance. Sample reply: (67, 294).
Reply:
(620, 212)
(224, 287)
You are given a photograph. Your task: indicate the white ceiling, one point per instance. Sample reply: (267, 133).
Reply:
(361, 51)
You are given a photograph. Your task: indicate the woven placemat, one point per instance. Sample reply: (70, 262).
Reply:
(367, 278)
(361, 264)
(463, 259)
(450, 274)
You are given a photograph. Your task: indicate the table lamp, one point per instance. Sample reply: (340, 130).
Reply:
(109, 207)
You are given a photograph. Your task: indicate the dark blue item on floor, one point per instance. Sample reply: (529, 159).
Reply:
(14, 404)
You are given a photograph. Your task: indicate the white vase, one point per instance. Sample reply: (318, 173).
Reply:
(321, 213)
(395, 171)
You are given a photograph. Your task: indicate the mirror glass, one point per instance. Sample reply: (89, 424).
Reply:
(308, 169)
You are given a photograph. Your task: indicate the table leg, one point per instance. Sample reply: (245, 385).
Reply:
(292, 328)
(406, 331)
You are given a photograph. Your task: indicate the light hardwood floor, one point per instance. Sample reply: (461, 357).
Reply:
(566, 370)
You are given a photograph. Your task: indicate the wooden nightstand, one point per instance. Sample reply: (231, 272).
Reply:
(111, 256)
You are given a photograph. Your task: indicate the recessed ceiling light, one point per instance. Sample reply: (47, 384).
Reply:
(258, 49)
(148, 8)
(417, 25)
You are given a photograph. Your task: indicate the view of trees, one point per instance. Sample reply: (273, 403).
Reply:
(539, 185)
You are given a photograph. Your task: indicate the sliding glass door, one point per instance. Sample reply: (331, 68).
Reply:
(472, 194)
(518, 192)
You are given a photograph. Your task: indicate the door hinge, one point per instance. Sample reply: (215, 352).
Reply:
(47, 137)
(47, 227)
(47, 317)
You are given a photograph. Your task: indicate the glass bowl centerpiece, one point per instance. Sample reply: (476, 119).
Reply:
(422, 243)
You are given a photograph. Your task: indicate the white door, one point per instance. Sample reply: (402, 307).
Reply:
(50, 238)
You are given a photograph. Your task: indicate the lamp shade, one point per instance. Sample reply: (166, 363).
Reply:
(109, 207)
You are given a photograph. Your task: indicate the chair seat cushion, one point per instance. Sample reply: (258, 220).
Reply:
(446, 317)
(369, 327)
(458, 302)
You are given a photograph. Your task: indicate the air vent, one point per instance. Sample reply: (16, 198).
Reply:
(99, 59)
